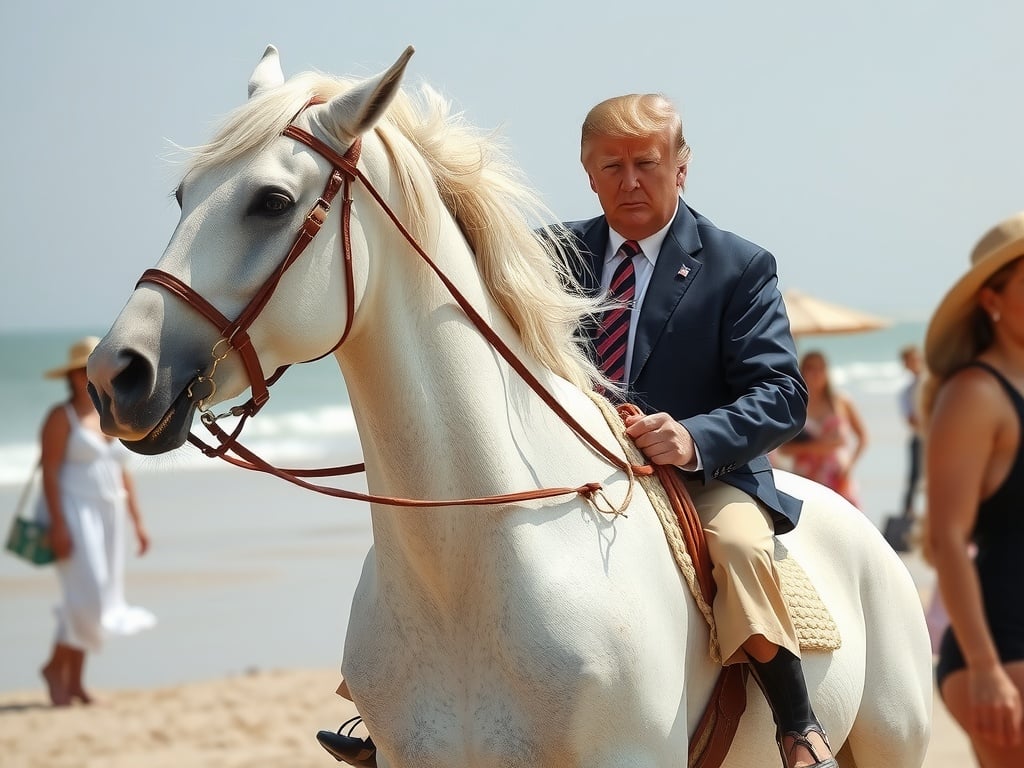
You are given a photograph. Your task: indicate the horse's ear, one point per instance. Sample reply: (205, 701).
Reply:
(267, 74)
(357, 111)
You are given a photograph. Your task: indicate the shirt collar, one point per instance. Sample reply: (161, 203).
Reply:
(651, 246)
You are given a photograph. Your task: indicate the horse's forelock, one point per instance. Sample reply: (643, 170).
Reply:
(261, 119)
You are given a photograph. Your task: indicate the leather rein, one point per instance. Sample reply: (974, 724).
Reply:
(234, 337)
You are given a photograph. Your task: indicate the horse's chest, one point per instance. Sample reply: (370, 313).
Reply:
(502, 679)
(523, 656)
(516, 638)
(499, 685)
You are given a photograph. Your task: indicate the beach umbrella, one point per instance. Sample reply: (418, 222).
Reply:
(812, 316)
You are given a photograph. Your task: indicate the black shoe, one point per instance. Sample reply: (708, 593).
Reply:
(783, 684)
(346, 748)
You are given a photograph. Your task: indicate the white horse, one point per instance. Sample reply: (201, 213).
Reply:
(537, 633)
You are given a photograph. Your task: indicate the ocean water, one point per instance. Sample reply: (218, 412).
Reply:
(308, 421)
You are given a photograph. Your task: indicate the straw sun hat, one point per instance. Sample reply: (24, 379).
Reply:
(78, 356)
(949, 341)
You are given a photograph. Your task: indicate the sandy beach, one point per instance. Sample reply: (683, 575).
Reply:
(258, 720)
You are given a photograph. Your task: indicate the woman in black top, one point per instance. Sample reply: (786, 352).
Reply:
(975, 480)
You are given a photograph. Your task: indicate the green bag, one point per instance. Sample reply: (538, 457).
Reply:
(29, 539)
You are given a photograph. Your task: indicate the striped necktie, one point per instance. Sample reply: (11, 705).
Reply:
(613, 335)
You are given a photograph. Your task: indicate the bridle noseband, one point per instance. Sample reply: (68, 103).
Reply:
(234, 334)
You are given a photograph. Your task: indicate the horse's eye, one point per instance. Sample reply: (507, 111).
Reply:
(272, 203)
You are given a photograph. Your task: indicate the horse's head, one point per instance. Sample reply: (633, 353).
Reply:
(243, 271)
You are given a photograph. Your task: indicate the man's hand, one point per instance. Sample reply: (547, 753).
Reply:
(662, 439)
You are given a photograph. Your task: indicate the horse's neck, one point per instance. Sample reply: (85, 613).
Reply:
(426, 385)
(440, 414)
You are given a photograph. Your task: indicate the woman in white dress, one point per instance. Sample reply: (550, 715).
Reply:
(89, 497)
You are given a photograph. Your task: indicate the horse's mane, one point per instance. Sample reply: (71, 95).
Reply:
(481, 187)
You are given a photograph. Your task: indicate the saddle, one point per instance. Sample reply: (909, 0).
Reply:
(815, 627)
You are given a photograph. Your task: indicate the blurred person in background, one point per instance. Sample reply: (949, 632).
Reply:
(89, 498)
(911, 357)
(973, 404)
(834, 436)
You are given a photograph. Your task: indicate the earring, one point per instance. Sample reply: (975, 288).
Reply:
(995, 315)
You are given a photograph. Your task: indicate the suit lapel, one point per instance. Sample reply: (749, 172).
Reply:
(595, 243)
(674, 273)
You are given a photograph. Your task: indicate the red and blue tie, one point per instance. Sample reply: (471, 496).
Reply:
(613, 335)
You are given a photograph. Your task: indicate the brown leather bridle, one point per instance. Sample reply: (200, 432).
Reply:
(234, 336)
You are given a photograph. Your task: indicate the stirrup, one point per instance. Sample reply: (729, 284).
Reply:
(801, 740)
(346, 748)
(352, 722)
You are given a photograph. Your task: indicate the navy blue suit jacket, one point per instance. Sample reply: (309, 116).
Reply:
(713, 348)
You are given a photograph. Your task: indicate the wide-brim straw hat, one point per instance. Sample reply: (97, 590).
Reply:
(78, 357)
(949, 340)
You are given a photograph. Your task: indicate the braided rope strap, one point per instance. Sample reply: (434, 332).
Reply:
(815, 626)
(816, 629)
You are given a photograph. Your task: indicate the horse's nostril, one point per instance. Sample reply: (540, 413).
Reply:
(94, 395)
(136, 377)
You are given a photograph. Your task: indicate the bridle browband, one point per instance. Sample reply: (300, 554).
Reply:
(234, 337)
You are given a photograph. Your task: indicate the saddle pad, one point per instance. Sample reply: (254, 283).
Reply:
(815, 627)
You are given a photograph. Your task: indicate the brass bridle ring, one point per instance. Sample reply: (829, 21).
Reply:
(217, 358)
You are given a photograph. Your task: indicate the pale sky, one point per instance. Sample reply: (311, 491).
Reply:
(868, 145)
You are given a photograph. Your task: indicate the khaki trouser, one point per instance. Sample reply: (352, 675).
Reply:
(741, 544)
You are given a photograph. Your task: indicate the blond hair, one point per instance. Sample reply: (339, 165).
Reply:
(634, 115)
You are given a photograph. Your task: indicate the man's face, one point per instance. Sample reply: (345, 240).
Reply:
(636, 180)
